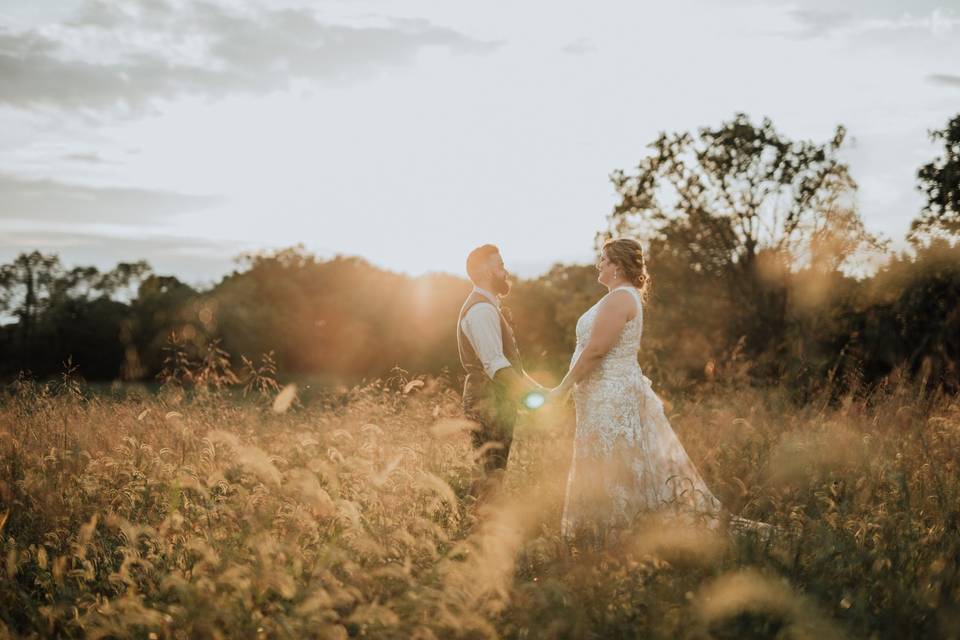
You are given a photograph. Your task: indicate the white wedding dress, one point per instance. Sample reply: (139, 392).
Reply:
(626, 458)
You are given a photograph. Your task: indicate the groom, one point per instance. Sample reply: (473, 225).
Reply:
(488, 352)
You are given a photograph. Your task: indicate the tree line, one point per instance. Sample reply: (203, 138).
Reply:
(762, 269)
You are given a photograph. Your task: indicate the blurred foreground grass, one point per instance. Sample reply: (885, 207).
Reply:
(159, 516)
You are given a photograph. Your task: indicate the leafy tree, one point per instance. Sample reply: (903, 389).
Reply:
(911, 316)
(341, 318)
(743, 187)
(25, 287)
(122, 277)
(64, 314)
(162, 306)
(940, 182)
(731, 211)
(85, 332)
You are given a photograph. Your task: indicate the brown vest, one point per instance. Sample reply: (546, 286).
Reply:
(468, 356)
(478, 385)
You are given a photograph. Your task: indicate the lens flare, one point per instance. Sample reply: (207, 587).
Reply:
(534, 400)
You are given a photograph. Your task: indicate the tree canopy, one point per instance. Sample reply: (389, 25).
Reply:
(751, 238)
(940, 182)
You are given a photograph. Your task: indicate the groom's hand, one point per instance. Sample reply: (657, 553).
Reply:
(516, 385)
(536, 385)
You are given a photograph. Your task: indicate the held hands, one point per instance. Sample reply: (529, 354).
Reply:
(533, 395)
(537, 396)
(544, 398)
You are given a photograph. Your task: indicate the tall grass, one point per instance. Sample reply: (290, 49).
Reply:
(181, 515)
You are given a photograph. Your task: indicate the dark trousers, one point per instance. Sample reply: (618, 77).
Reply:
(496, 414)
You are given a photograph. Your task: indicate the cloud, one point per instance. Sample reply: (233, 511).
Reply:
(871, 23)
(814, 23)
(49, 200)
(944, 79)
(861, 9)
(579, 47)
(125, 55)
(191, 259)
(86, 158)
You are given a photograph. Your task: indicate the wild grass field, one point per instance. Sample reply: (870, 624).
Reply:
(211, 515)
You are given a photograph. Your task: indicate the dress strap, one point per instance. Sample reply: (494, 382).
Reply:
(631, 289)
(624, 286)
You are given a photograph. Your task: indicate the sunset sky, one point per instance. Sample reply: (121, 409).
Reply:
(409, 132)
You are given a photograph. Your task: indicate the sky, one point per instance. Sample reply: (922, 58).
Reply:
(409, 132)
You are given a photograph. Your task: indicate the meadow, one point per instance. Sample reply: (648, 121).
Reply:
(214, 513)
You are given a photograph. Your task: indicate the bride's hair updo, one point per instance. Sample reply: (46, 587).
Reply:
(627, 255)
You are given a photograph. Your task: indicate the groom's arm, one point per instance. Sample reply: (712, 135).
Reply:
(481, 325)
(516, 383)
(531, 381)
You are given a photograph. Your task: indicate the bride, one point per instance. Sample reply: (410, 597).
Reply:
(626, 458)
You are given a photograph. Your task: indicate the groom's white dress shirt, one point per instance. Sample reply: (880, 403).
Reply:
(481, 325)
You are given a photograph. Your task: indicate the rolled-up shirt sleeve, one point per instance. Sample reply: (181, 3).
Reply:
(481, 325)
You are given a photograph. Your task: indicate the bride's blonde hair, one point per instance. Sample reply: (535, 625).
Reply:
(627, 255)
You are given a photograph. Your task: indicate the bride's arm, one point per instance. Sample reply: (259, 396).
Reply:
(614, 312)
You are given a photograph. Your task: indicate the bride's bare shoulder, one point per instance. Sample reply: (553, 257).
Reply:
(619, 301)
(618, 297)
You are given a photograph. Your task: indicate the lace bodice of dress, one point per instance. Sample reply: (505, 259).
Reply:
(624, 352)
(609, 399)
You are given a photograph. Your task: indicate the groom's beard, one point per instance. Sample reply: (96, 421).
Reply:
(502, 286)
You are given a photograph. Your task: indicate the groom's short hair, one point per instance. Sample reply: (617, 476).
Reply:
(477, 258)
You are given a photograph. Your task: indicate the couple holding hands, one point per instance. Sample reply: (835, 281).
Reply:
(627, 460)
